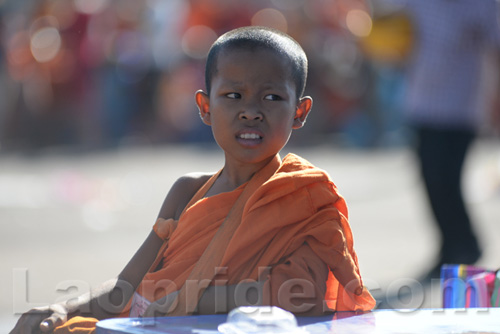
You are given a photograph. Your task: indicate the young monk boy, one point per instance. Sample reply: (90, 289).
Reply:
(261, 231)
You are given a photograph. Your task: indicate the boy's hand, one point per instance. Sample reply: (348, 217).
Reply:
(161, 306)
(41, 320)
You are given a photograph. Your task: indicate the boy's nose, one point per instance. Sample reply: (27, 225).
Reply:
(250, 114)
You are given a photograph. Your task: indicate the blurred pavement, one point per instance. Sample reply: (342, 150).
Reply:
(71, 221)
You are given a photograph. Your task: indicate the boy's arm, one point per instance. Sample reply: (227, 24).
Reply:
(112, 296)
(106, 301)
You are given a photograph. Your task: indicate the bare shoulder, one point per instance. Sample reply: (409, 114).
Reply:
(191, 182)
(181, 193)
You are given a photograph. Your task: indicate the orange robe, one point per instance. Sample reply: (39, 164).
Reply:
(295, 223)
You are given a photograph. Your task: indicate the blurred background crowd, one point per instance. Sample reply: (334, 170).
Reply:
(91, 74)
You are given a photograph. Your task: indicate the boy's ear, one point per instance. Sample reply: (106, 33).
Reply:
(203, 103)
(303, 108)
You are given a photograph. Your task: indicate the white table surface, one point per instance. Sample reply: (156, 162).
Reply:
(424, 321)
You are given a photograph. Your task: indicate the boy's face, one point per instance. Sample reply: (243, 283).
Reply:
(252, 107)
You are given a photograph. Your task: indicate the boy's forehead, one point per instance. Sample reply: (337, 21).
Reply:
(232, 65)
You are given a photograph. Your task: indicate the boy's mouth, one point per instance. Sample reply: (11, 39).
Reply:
(249, 136)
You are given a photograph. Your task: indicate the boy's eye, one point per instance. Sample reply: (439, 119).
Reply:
(272, 97)
(233, 95)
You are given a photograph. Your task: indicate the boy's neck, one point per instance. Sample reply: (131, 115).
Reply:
(234, 175)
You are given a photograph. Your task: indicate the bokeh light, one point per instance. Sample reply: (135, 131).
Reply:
(270, 17)
(45, 44)
(359, 22)
(91, 6)
(197, 40)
